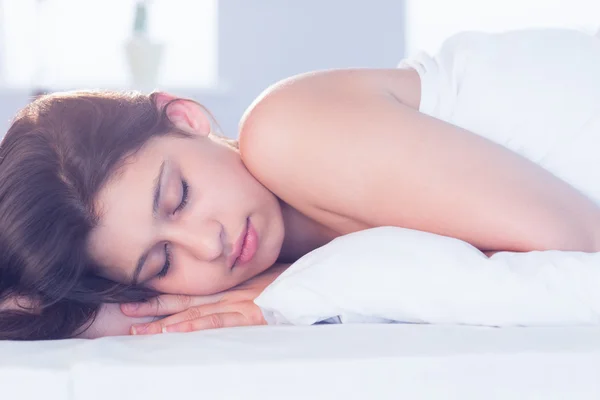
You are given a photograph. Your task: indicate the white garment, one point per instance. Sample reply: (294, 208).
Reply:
(536, 92)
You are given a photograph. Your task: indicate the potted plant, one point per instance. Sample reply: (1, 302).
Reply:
(143, 54)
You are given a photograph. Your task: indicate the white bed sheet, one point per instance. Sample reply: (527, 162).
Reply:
(328, 361)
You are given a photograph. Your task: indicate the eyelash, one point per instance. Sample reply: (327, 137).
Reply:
(163, 272)
(184, 199)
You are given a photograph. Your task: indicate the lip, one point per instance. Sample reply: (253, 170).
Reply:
(245, 246)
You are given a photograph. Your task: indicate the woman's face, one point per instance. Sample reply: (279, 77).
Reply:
(184, 216)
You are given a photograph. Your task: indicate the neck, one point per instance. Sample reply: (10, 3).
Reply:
(302, 234)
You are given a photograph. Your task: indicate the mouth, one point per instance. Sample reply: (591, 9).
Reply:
(245, 246)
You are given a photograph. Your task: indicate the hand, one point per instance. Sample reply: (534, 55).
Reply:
(111, 321)
(234, 307)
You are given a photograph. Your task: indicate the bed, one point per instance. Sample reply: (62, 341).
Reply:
(353, 361)
(365, 361)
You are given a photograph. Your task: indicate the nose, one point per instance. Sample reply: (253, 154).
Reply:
(203, 239)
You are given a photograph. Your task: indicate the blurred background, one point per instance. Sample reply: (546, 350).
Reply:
(223, 53)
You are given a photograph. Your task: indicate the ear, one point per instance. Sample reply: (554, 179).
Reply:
(185, 114)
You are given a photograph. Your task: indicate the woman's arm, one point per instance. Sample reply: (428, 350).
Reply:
(234, 307)
(351, 145)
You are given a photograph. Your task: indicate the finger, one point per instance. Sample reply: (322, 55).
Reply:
(167, 304)
(187, 315)
(247, 309)
(212, 321)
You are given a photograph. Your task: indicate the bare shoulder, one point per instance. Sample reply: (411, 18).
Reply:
(279, 132)
(299, 121)
(297, 93)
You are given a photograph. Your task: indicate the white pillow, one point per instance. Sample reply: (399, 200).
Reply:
(394, 274)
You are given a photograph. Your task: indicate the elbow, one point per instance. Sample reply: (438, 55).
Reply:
(584, 236)
(588, 242)
(585, 240)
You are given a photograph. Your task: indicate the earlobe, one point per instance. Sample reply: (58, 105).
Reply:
(185, 114)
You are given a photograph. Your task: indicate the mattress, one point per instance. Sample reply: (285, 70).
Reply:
(361, 361)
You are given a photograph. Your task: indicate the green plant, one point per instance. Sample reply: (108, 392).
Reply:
(140, 24)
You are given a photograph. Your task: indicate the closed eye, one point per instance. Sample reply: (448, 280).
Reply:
(184, 197)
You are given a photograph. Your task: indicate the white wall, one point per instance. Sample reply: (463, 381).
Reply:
(262, 41)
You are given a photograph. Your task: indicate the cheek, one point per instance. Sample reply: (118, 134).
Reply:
(232, 177)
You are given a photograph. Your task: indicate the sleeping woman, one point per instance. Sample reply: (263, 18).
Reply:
(109, 198)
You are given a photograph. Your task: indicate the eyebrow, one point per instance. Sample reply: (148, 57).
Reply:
(155, 199)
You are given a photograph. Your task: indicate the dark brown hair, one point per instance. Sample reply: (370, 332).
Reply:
(58, 153)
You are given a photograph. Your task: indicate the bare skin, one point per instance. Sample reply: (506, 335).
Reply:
(321, 155)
